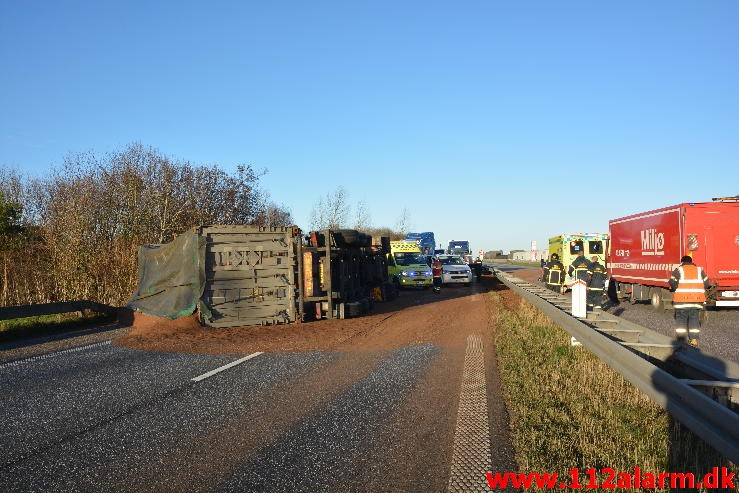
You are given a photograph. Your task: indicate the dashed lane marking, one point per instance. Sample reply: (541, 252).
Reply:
(225, 367)
(51, 355)
(471, 457)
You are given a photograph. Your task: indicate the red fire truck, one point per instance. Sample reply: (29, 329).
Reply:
(645, 248)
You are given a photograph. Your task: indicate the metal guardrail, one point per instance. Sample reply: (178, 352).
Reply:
(715, 424)
(24, 311)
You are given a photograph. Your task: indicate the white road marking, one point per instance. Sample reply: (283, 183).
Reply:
(56, 353)
(225, 367)
(471, 457)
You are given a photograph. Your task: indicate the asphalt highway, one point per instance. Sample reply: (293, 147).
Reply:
(378, 415)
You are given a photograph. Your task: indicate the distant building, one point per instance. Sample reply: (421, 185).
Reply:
(537, 255)
(519, 255)
(528, 256)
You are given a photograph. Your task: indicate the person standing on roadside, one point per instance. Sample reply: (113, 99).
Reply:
(689, 283)
(555, 274)
(477, 267)
(436, 269)
(596, 283)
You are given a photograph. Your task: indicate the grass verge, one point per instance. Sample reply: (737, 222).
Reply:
(22, 328)
(569, 409)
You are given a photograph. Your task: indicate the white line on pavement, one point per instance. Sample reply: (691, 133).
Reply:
(225, 367)
(56, 353)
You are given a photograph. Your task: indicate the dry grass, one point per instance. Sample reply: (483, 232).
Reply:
(568, 409)
(42, 325)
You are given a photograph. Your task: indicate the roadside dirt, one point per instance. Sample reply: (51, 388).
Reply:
(389, 325)
(531, 275)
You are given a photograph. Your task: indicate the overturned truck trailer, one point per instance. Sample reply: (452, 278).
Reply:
(251, 275)
(232, 275)
(343, 272)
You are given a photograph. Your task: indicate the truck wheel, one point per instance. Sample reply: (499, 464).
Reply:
(632, 296)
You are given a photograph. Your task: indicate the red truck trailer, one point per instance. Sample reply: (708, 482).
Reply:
(645, 248)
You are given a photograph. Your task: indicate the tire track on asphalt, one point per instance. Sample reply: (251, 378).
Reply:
(471, 457)
(310, 455)
(265, 417)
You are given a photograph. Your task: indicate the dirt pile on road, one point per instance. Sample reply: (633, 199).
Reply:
(186, 335)
(389, 325)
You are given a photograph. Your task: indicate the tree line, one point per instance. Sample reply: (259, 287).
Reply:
(74, 234)
(333, 211)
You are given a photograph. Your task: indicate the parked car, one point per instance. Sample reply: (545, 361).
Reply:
(454, 270)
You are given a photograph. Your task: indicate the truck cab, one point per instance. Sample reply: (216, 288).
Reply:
(426, 241)
(407, 267)
(459, 247)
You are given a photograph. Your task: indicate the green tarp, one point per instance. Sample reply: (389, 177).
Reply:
(171, 277)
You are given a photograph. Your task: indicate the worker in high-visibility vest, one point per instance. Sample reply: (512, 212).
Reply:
(689, 283)
(555, 274)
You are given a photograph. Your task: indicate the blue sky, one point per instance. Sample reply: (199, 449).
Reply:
(497, 122)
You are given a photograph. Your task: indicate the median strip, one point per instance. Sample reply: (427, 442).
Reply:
(225, 367)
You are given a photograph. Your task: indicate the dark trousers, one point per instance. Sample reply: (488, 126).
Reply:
(594, 297)
(687, 322)
(437, 284)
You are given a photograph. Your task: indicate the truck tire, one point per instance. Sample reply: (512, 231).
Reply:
(632, 296)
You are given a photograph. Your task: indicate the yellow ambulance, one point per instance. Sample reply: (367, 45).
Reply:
(407, 267)
(567, 247)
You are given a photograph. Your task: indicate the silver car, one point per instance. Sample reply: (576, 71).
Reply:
(454, 270)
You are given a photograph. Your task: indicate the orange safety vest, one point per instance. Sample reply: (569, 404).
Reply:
(690, 288)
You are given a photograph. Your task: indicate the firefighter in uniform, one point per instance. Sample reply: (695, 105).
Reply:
(689, 283)
(436, 272)
(596, 281)
(555, 274)
(477, 267)
(579, 267)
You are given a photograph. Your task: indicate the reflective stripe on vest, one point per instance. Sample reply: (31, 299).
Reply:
(690, 287)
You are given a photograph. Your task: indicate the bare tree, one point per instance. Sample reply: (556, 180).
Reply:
(331, 211)
(362, 218)
(86, 219)
(318, 215)
(274, 215)
(403, 224)
(385, 231)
